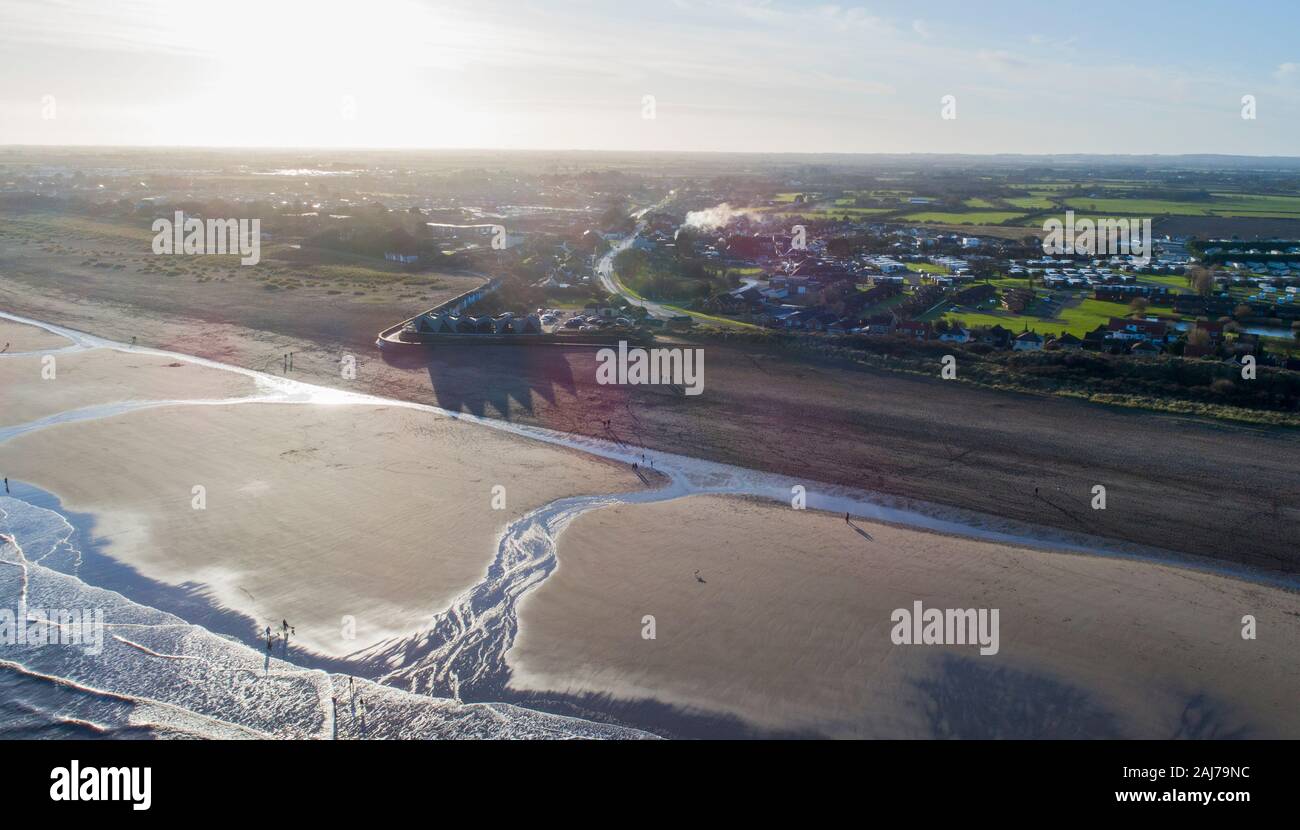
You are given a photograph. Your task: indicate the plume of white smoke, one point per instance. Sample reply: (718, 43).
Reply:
(717, 217)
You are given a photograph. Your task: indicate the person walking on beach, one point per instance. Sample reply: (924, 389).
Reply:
(846, 519)
(6, 485)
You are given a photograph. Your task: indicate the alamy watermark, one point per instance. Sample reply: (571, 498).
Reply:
(1107, 236)
(684, 367)
(919, 626)
(53, 627)
(215, 236)
(77, 783)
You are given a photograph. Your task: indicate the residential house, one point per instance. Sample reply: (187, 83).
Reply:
(1145, 348)
(1016, 300)
(1128, 329)
(975, 295)
(1066, 341)
(880, 324)
(1028, 341)
(913, 329)
(995, 336)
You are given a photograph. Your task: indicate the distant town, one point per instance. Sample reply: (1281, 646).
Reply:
(866, 260)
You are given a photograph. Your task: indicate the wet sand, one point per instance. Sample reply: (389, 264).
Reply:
(1207, 488)
(100, 376)
(374, 516)
(313, 513)
(789, 631)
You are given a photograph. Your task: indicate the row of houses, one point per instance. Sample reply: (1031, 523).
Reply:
(1156, 295)
(440, 322)
(1141, 337)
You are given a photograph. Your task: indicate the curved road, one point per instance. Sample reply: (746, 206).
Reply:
(611, 283)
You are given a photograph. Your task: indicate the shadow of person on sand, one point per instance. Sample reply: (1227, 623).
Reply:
(861, 532)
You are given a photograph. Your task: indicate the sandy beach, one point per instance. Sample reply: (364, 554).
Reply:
(1209, 488)
(100, 376)
(17, 337)
(312, 513)
(360, 522)
(781, 619)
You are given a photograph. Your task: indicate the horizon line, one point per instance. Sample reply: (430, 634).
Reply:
(417, 149)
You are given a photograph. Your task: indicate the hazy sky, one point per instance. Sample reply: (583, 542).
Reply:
(731, 75)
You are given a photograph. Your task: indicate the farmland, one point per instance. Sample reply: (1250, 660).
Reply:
(1221, 204)
(1076, 316)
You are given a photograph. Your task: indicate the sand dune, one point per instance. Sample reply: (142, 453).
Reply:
(313, 512)
(790, 630)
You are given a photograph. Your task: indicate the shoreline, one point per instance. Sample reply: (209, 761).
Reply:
(909, 513)
(686, 477)
(1205, 489)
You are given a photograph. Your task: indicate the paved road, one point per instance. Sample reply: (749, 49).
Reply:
(611, 283)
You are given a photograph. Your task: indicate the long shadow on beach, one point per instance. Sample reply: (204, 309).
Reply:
(491, 380)
(966, 700)
(651, 715)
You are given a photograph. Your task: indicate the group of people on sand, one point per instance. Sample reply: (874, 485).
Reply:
(358, 705)
(285, 631)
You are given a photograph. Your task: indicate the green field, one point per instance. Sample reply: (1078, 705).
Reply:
(1173, 282)
(1223, 204)
(1010, 282)
(883, 305)
(1031, 202)
(828, 212)
(982, 217)
(44, 226)
(1039, 221)
(1076, 318)
(926, 268)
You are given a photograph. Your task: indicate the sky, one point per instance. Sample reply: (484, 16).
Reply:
(662, 75)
